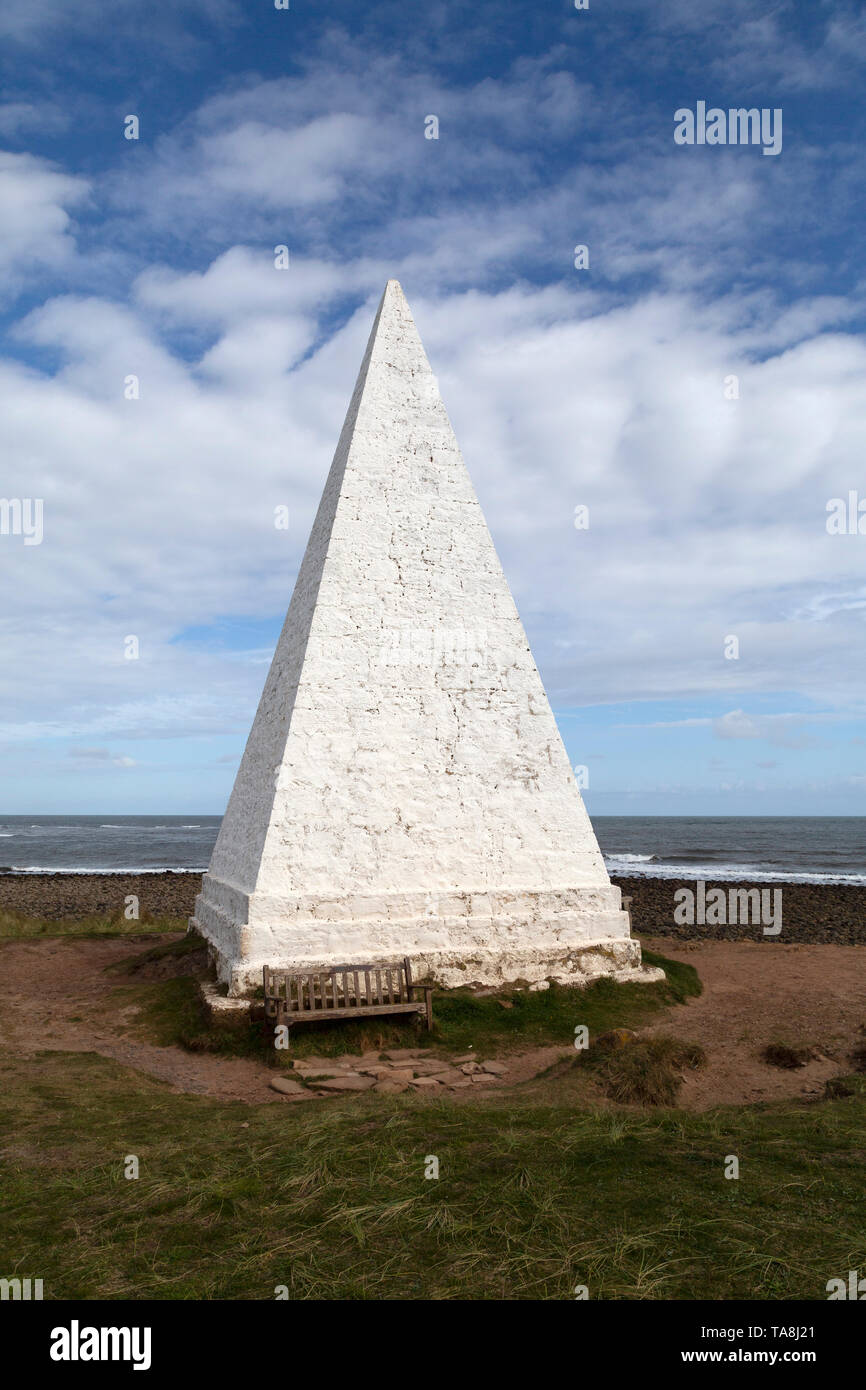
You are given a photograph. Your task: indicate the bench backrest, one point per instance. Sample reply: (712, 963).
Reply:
(338, 987)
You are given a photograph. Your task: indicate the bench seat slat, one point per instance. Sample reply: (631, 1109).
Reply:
(293, 996)
(379, 1009)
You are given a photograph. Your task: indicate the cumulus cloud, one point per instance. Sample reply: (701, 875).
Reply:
(19, 118)
(96, 756)
(39, 23)
(606, 390)
(786, 730)
(36, 234)
(170, 498)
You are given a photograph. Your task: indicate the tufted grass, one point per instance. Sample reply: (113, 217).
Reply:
(535, 1196)
(489, 1025)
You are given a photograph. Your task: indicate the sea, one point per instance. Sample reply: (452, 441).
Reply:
(787, 849)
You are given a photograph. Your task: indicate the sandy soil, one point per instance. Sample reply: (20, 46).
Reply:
(53, 996)
(757, 993)
(55, 992)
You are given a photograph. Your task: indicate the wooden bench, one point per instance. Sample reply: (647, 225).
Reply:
(343, 991)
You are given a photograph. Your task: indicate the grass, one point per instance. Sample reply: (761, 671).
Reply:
(330, 1198)
(172, 1013)
(538, 1192)
(19, 924)
(646, 1071)
(188, 945)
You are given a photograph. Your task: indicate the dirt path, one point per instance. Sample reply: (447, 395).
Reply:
(53, 995)
(757, 993)
(55, 992)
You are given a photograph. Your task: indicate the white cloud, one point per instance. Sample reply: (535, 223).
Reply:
(785, 730)
(159, 511)
(39, 118)
(96, 756)
(38, 23)
(35, 226)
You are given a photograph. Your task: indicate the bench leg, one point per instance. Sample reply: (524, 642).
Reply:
(428, 1000)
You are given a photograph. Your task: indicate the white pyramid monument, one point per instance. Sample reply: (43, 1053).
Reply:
(404, 789)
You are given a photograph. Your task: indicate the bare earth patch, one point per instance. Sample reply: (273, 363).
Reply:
(757, 993)
(55, 995)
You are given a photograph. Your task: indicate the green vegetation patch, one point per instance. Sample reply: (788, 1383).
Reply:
(329, 1198)
(487, 1024)
(20, 925)
(645, 1071)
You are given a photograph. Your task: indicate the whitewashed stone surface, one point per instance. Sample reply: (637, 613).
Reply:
(404, 789)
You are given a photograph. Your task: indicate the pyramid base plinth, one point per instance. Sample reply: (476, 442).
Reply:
(577, 965)
(571, 937)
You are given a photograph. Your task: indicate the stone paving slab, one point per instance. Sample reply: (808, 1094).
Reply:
(346, 1083)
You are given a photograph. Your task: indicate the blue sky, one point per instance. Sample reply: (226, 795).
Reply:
(602, 387)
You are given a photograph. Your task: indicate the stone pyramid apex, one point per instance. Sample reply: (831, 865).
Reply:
(404, 790)
(394, 324)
